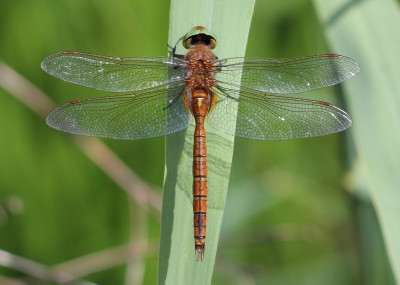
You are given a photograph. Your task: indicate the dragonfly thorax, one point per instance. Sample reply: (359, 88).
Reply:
(200, 71)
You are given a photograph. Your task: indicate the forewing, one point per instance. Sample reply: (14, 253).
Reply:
(144, 114)
(115, 74)
(270, 117)
(288, 75)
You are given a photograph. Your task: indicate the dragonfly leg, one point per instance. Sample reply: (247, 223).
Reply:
(172, 52)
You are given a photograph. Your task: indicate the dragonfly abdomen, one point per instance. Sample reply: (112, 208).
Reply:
(200, 105)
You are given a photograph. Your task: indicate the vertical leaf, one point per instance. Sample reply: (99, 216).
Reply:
(177, 263)
(369, 31)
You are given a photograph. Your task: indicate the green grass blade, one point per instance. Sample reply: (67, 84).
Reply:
(177, 263)
(369, 31)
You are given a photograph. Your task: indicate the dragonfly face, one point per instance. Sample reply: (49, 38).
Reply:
(199, 35)
(162, 95)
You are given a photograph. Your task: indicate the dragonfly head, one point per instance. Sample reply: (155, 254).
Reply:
(199, 35)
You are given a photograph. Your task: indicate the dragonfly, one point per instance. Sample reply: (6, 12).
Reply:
(159, 96)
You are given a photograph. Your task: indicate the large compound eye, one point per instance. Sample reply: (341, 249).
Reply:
(213, 43)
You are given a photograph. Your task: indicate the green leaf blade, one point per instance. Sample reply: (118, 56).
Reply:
(177, 262)
(369, 31)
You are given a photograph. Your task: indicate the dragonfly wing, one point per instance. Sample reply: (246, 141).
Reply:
(271, 117)
(114, 74)
(288, 75)
(144, 114)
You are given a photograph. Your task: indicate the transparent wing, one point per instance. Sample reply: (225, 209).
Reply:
(144, 114)
(115, 74)
(288, 75)
(270, 117)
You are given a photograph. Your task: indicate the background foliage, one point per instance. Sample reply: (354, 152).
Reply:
(289, 218)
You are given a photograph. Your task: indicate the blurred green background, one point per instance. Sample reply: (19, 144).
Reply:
(289, 217)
